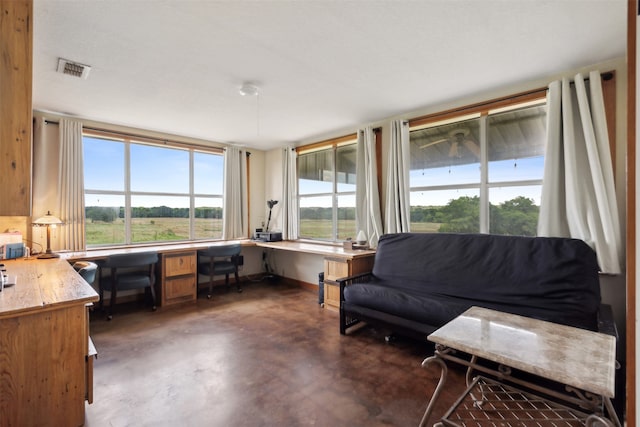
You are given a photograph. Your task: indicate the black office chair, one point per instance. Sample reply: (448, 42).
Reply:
(218, 260)
(87, 270)
(129, 271)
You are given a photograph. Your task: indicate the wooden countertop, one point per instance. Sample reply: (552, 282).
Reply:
(43, 284)
(317, 248)
(323, 249)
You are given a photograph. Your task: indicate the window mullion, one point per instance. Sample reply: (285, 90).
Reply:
(484, 175)
(192, 201)
(335, 196)
(127, 193)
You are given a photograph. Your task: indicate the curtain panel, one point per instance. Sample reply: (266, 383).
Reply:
(58, 182)
(289, 194)
(368, 217)
(397, 206)
(235, 216)
(46, 148)
(578, 192)
(71, 186)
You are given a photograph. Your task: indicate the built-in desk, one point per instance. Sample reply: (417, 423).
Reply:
(45, 363)
(338, 263)
(174, 287)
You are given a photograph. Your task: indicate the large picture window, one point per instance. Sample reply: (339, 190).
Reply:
(327, 192)
(479, 173)
(138, 193)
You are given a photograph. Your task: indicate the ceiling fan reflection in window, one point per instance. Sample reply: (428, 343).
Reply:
(457, 138)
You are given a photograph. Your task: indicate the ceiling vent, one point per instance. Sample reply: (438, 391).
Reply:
(73, 68)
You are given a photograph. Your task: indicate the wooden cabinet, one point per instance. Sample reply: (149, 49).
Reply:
(178, 278)
(47, 370)
(337, 268)
(16, 46)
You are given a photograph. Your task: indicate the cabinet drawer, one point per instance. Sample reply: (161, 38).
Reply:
(183, 288)
(336, 269)
(179, 265)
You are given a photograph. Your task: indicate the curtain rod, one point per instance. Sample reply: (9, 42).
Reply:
(163, 141)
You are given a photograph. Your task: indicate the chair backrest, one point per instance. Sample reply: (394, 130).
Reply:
(131, 260)
(87, 270)
(221, 251)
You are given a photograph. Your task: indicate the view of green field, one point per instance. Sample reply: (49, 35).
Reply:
(151, 230)
(518, 216)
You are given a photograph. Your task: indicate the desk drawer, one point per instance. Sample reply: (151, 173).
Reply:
(180, 289)
(180, 264)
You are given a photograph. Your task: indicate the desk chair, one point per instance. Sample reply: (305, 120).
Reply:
(87, 270)
(129, 271)
(218, 260)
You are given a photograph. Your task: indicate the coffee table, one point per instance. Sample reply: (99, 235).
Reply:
(582, 361)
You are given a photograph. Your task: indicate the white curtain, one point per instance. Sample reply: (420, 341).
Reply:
(289, 194)
(368, 218)
(578, 193)
(46, 148)
(235, 215)
(397, 206)
(71, 186)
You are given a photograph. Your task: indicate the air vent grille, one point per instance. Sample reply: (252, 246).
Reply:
(73, 68)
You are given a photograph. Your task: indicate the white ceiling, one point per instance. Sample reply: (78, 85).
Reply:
(175, 66)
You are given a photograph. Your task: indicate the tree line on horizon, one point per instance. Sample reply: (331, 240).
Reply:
(518, 216)
(110, 214)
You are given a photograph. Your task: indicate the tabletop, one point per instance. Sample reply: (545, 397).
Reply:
(572, 356)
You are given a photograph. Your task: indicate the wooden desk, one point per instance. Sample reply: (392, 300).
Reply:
(583, 361)
(338, 263)
(326, 250)
(45, 368)
(177, 285)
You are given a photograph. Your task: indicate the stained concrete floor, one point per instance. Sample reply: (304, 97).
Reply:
(270, 356)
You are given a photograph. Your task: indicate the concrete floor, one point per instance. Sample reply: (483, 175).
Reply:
(270, 356)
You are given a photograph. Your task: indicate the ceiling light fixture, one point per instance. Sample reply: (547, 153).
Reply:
(248, 89)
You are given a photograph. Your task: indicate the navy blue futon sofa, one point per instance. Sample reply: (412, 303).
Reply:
(421, 281)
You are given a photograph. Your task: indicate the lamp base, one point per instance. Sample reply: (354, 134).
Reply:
(48, 255)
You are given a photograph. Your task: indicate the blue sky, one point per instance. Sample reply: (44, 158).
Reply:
(153, 169)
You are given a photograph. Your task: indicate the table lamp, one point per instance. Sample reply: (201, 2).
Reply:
(48, 221)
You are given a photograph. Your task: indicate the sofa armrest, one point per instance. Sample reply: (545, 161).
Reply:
(606, 324)
(346, 281)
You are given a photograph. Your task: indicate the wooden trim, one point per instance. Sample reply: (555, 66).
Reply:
(248, 194)
(609, 95)
(630, 402)
(378, 133)
(129, 137)
(16, 89)
(480, 108)
(334, 142)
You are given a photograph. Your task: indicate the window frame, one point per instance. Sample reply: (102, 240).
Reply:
(127, 140)
(481, 112)
(608, 80)
(333, 145)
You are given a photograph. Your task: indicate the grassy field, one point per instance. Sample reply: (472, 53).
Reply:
(168, 229)
(151, 230)
(347, 228)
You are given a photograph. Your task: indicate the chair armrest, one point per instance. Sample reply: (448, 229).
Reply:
(606, 324)
(346, 281)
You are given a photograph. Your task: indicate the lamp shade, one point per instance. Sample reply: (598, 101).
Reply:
(48, 219)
